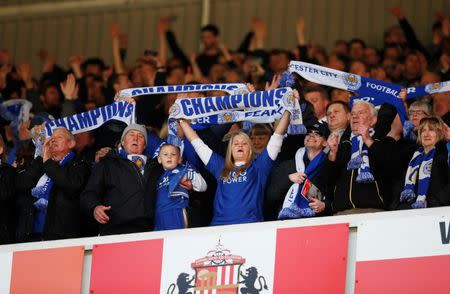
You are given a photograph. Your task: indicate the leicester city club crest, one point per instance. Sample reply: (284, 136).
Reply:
(226, 117)
(433, 88)
(352, 81)
(174, 110)
(219, 272)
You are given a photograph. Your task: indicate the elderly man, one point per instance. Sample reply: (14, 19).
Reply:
(361, 166)
(120, 194)
(55, 181)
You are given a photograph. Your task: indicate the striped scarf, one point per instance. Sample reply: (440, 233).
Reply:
(418, 178)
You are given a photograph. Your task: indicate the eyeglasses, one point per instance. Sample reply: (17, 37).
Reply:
(416, 112)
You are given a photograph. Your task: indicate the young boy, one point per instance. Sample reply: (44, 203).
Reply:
(173, 187)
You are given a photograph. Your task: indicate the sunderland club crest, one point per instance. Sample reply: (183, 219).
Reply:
(219, 272)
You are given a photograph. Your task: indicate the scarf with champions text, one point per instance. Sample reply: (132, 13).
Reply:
(256, 107)
(87, 121)
(418, 178)
(296, 203)
(230, 88)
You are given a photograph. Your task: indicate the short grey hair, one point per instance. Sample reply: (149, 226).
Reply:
(69, 133)
(423, 103)
(372, 108)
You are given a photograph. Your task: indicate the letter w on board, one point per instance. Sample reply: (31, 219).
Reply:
(445, 232)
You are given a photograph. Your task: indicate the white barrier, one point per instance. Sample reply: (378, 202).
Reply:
(354, 222)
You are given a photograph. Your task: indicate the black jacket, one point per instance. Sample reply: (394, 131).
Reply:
(438, 193)
(7, 198)
(383, 160)
(117, 182)
(63, 212)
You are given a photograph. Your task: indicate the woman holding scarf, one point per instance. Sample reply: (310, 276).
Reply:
(426, 183)
(299, 182)
(241, 177)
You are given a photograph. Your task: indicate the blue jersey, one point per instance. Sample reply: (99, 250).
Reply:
(240, 198)
(163, 201)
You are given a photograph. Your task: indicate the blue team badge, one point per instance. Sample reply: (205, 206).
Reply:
(352, 81)
(433, 88)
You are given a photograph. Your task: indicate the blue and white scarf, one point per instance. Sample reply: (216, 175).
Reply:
(92, 119)
(257, 107)
(296, 203)
(138, 159)
(371, 90)
(230, 88)
(42, 193)
(360, 160)
(422, 90)
(175, 176)
(17, 111)
(418, 177)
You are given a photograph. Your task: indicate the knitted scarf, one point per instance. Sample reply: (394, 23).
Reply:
(418, 178)
(296, 203)
(360, 160)
(42, 193)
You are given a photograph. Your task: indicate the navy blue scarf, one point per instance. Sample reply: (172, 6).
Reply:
(418, 176)
(296, 203)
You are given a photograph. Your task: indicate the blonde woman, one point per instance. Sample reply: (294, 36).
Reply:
(241, 176)
(426, 181)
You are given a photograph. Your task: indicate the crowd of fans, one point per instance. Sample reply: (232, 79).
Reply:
(106, 181)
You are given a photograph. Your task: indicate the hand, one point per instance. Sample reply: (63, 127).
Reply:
(316, 205)
(297, 177)
(193, 58)
(163, 25)
(397, 12)
(49, 62)
(446, 132)
(446, 27)
(274, 84)
(363, 131)
(100, 214)
(70, 88)
(101, 153)
(259, 28)
(250, 87)
(445, 61)
(24, 72)
(185, 183)
(4, 57)
(115, 31)
(24, 132)
(75, 60)
(46, 151)
(300, 25)
(37, 129)
(333, 143)
(402, 94)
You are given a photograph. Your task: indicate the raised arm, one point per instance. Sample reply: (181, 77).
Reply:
(115, 35)
(203, 150)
